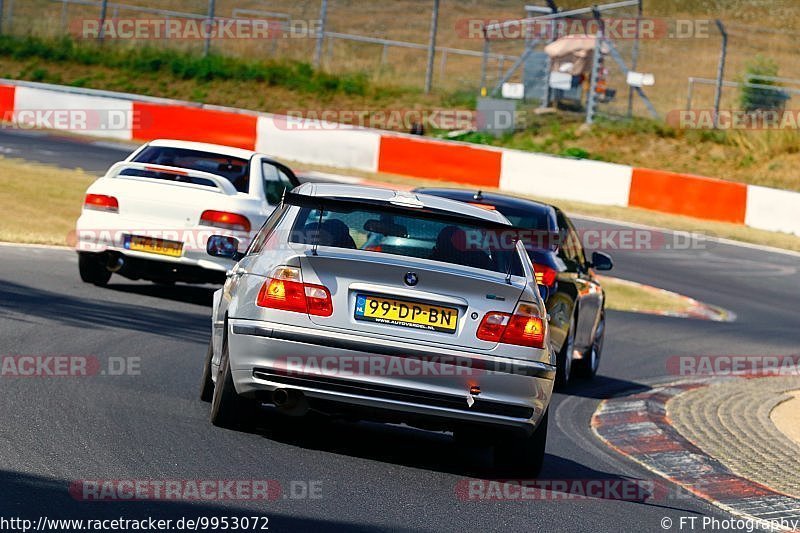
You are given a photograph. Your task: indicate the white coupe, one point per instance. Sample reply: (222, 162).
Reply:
(151, 215)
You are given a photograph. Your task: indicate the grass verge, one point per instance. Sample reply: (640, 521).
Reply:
(624, 295)
(40, 202)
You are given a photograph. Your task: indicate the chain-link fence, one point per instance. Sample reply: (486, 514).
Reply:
(760, 72)
(390, 42)
(578, 58)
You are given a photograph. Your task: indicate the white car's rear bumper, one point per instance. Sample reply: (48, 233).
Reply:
(99, 232)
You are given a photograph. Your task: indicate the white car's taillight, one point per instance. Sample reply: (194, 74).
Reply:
(223, 219)
(101, 202)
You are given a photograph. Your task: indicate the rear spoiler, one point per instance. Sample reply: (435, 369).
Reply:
(223, 185)
(350, 204)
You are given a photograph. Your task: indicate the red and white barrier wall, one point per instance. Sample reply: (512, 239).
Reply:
(378, 151)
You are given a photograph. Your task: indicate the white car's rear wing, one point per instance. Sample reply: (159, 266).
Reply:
(221, 184)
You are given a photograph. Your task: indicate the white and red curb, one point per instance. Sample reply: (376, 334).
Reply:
(638, 427)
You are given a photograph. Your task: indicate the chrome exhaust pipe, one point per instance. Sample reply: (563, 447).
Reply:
(290, 402)
(115, 263)
(280, 397)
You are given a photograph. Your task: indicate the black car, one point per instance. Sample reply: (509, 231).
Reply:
(575, 300)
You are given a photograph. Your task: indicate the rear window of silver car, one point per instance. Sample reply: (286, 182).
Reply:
(406, 234)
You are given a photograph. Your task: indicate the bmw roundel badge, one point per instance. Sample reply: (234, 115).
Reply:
(411, 278)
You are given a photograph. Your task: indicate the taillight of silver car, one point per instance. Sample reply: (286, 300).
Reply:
(524, 328)
(285, 290)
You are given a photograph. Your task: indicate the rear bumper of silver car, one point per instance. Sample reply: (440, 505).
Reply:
(363, 373)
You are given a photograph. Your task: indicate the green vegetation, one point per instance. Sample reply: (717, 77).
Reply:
(182, 65)
(760, 70)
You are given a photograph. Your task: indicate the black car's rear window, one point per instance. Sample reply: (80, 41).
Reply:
(407, 234)
(530, 219)
(235, 169)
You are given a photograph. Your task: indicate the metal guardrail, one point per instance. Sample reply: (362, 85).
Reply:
(777, 79)
(726, 83)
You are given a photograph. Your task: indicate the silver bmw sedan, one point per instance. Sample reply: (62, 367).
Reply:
(385, 305)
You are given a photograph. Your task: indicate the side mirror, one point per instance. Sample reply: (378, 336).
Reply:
(224, 246)
(601, 261)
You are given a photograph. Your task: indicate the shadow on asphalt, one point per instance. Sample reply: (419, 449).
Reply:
(602, 387)
(189, 294)
(95, 313)
(436, 451)
(31, 497)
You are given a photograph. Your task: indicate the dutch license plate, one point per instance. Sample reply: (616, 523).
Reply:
(153, 246)
(407, 314)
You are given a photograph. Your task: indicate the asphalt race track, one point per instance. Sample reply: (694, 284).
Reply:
(152, 426)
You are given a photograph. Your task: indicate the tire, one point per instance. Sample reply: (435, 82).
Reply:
(228, 409)
(207, 384)
(587, 367)
(92, 269)
(523, 455)
(564, 357)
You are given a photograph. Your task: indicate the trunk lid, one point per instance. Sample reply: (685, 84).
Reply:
(151, 199)
(441, 303)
